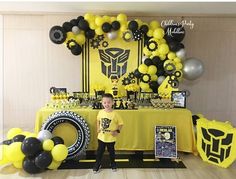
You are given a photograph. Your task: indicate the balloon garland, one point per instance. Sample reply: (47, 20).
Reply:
(34, 153)
(163, 50)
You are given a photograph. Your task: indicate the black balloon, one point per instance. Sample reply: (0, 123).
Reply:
(80, 18)
(90, 34)
(156, 60)
(133, 25)
(7, 142)
(43, 160)
(106, 27)
(57, 34)
(160, 72)
(137, 74)
(115, 25)
(175, 32)
(174, 46)
(29, 165)
(76, 49)
(67, 26)
(57, 140)
(154, 85)
(144, 28)
(31, 146)
(83, 25)
(19, 138)
(148, 62)
(74, 22)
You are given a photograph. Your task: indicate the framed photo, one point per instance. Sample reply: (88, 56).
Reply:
(165, 142)
(179, 99)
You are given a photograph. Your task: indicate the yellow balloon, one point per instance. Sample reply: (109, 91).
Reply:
(14, 152)
(3, 150)
(13, 132)
(143, 68)
(179, 66)
(92, 25)
(59, 152)
(25, 133)
(80, 39)
(177, 60)
(163, 49)
(144, 86)
(48, 145)
(121, 17)
(158, 33)
(150, 33)
(18, 164)
(154, 24)
(154, 77)
(156, 53)
(106, 18)
(123, 27)
(113, 19)
(152, 69)
(99, 21)
(99, 31)
(54, 165)
(162, 57)
(146, 52)
(88, 16)
(171, 55)
(70, 35)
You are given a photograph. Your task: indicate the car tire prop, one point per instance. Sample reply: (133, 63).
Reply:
(78, 122)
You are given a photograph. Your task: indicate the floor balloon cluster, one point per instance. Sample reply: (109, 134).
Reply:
(34, 153)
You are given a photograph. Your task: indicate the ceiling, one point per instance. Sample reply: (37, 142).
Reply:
(130, 8)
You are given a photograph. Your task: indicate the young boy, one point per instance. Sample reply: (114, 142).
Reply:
(109, 124)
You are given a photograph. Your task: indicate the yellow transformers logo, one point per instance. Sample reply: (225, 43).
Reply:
(216, 142)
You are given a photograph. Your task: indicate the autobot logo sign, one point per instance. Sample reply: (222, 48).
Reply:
(216, 144)
(114, 61)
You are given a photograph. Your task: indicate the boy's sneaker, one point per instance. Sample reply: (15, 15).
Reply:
(113, 167)
(96, 168)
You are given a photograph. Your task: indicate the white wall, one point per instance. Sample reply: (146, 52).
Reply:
(32, 64)
(1, 79)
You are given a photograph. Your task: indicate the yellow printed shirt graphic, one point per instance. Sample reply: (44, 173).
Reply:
(109, 121)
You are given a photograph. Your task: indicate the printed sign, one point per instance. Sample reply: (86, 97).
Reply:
(165, 142)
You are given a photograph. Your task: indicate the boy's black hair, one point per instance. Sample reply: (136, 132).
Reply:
(107, 95)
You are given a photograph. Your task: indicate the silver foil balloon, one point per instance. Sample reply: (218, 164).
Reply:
(160, 79)
(75, 30)
(192, 68)
(181, 54)
(112, 35)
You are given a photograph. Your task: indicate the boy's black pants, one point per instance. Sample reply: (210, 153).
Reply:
(101, 149)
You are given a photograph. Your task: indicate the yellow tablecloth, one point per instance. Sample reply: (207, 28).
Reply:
(138, 130)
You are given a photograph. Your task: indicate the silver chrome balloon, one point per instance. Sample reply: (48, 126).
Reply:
(112, 35)
(181, 54)
(192, 68)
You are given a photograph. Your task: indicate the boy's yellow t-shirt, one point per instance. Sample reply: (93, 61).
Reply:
(109, 121)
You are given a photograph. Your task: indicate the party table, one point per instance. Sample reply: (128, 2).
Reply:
(138, 130)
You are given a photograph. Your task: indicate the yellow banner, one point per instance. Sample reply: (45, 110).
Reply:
(109, 61)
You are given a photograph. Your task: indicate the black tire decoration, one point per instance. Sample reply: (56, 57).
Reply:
(57, 35)
(78, 122)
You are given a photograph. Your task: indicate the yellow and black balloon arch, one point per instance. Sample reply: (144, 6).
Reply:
(163, 49)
